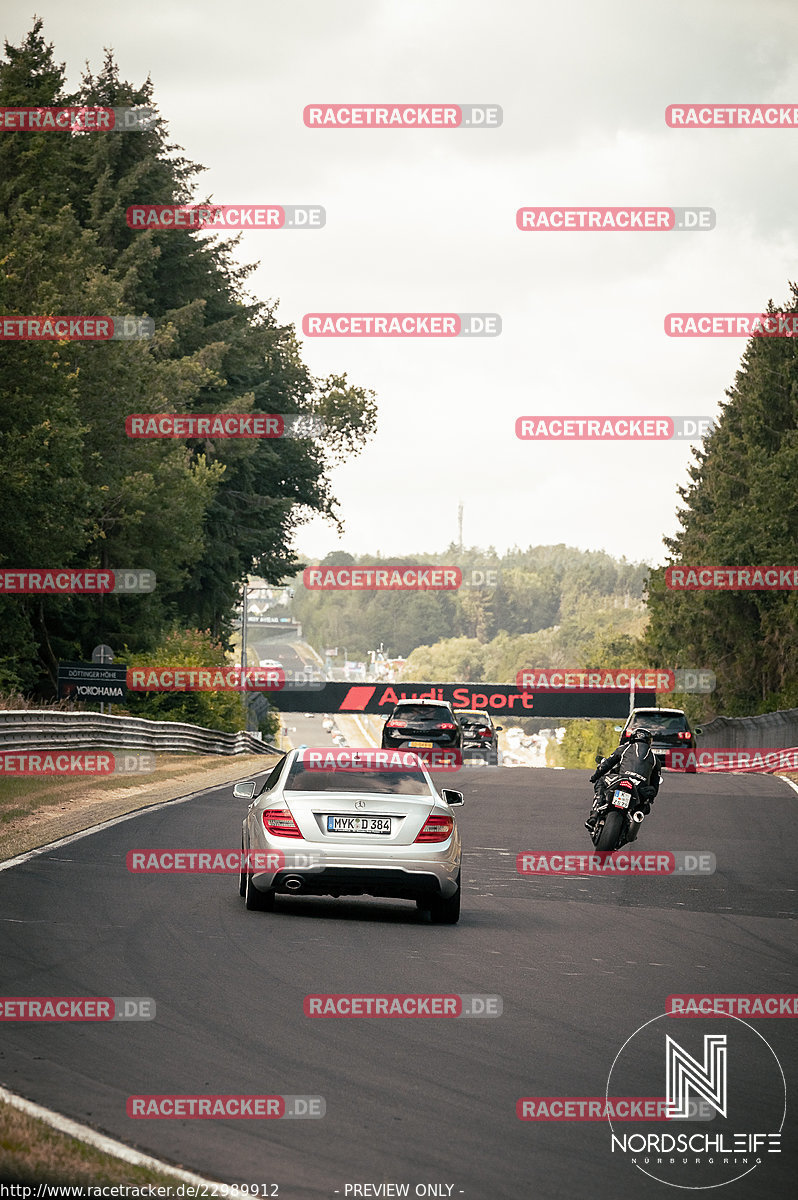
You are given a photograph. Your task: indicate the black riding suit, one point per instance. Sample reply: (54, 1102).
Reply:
(636, 757)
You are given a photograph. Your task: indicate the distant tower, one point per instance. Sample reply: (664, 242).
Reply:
(460, 525)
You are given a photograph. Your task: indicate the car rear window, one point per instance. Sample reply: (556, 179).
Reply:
(341, 779)
(421, 712)
(475, 722)
(675, 723)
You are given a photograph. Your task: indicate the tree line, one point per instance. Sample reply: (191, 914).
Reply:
(78, 492)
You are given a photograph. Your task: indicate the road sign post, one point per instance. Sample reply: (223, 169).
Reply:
(102, 655)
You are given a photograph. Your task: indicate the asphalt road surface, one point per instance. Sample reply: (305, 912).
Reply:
(580, 963)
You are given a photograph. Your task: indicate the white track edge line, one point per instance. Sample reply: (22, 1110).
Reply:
(789, 782)
(74, 837)
(99, 1140)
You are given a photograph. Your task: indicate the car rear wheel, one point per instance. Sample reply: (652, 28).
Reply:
(443, 911)
(242, 875)
(257, 901)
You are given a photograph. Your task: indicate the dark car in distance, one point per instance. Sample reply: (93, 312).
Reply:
(480, 735)
(670, 730)
(421, 725)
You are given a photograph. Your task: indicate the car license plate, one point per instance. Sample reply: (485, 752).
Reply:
(420, 745)
(621, 799)
(358, 825)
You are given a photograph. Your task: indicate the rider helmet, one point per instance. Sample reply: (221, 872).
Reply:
(641, 735)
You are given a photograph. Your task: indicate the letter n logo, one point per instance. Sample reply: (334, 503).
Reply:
(684, 1074)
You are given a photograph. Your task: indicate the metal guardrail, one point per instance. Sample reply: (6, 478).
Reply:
(776, 730)
(39, 729)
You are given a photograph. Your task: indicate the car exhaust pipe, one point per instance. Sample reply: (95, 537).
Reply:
(638, 816)
(293, 884)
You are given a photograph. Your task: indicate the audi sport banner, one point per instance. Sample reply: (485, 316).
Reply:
(499, 699)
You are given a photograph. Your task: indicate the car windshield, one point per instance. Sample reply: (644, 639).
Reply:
(421, 712)
(665, 723)
(474, 721)
(399, 782)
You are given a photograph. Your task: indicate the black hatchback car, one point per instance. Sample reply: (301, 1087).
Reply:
(421, 725)
(480, 735)
(670, 730)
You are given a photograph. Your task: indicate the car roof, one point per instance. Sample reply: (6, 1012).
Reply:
(406, 700)
(473, 712)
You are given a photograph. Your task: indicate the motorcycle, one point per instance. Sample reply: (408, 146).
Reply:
(623, 809)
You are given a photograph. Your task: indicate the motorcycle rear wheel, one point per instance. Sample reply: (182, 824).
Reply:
(610, 836)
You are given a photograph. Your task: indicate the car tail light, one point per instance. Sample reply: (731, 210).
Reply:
(280, 822)
(396, 724)
(447, 725)
(685, 736)
(486, 733)
(436, 828)
(628, 733)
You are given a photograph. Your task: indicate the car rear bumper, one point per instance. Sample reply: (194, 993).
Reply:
(393, 882)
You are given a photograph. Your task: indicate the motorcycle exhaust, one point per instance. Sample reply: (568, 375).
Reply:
(638, 816)
(293, 884)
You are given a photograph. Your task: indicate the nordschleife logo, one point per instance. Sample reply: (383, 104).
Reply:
(729, 1072)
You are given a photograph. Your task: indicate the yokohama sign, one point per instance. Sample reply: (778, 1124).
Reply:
(499, 699)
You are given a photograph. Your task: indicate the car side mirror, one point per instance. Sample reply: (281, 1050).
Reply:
(698, 731)
(452, 797)
(618, 728)
(244, 790)
(499, 728)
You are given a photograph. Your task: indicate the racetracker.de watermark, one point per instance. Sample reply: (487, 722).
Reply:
(222, 425)
(741, 758)
(55, 581)
(603, 1108)
(368, 758)
(628, 219)
(732, 579)
(732, 116)
(387, 578)
(402, 116)
(220, 679)
(607, 429)
(732, 324)
(83, 118)
(450, 1005)
(545, 679)
(51, 328)
(401, 324)
(621, 862)
(223, 1107)
(72, 762)
(215, 862)
(745, 1004)
(77, 1008)
(226, 216)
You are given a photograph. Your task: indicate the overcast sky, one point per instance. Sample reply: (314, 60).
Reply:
(424, 221)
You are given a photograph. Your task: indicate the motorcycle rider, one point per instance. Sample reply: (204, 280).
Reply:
(634, 756)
